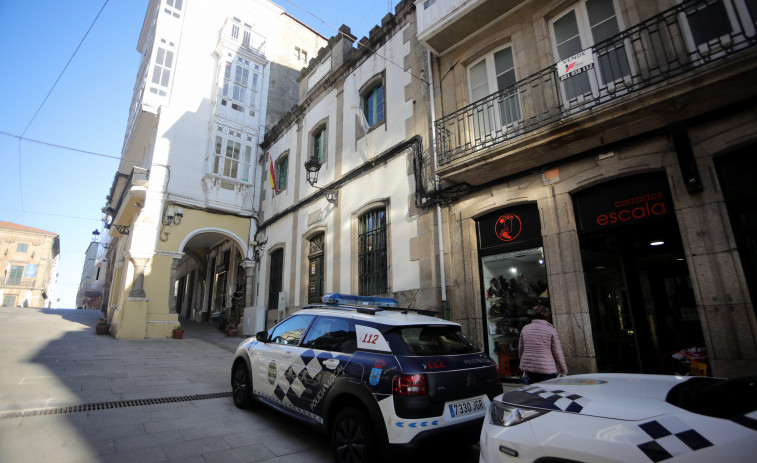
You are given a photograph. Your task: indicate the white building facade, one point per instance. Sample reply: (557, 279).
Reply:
(363, 120)
(182, 208)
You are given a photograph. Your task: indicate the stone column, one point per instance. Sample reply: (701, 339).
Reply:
(249, 267)
(172, 287)
(137, 289)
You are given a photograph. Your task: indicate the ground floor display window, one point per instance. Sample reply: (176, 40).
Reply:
(644, 317)
(513, 281)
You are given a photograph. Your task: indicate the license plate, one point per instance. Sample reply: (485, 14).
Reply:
(466, 407)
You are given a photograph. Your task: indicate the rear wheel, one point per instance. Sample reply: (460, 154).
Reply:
(353, 439)
(241, 385)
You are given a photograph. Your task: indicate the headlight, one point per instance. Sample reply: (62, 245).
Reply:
(503, 414)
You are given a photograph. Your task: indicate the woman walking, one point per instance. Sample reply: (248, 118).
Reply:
(541, 355)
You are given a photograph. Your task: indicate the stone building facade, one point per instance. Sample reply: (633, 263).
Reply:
(29, 258)
(598, 157)
(362, 127)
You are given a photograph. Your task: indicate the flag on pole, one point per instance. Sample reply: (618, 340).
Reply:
(272, 176)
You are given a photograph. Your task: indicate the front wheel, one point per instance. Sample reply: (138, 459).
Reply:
(241, 385)
(353, 439)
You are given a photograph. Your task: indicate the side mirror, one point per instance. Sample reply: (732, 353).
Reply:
(262, 336)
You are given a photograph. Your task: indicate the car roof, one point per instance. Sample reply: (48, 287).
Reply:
(385, 316)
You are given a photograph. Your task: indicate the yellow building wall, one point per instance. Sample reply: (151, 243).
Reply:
(138, 318)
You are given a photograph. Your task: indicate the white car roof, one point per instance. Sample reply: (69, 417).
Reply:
(393, 317)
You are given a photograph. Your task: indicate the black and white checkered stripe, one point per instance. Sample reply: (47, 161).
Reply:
(557, 399)
(667, 437)
(304, 368)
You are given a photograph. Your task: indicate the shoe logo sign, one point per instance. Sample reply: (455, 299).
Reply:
(507, 227)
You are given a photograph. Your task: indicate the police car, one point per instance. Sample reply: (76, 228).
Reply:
(370, 375)
(624, 418)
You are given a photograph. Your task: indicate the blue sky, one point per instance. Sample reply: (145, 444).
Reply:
(61, 190)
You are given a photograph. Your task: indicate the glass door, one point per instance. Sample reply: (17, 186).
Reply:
(513, 283)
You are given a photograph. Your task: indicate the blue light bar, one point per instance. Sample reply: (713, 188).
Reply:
(351, 299)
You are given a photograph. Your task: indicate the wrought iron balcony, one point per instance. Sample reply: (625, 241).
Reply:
(660, 52)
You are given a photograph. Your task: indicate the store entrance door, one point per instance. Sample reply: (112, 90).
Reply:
(639, 292)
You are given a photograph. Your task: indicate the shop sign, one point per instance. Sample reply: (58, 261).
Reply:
(624, 202)
(509, 226)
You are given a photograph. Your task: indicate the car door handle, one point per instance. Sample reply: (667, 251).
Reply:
(288, 354)
(331, 363)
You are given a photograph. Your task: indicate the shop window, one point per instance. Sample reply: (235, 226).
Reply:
(513, 283)
(372, 253)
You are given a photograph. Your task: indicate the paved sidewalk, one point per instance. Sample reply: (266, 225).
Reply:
(69, 395)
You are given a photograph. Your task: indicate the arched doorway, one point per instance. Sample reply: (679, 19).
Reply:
(208, 275)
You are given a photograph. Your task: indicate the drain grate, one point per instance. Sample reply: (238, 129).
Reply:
(108, 405)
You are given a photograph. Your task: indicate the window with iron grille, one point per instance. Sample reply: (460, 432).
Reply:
(372, 256)
(275, 282)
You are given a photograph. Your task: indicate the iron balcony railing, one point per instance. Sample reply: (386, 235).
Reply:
(676, 42)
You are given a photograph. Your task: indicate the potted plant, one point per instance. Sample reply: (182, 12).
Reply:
(178, 332)
(102, 327)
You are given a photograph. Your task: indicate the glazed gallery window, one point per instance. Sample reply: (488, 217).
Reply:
(494, 75)
(173, 7)
(161, 70)
(373, 104)
(232, 159)
(319, 144)
(240, 77)
(586, 24)
(372, 253)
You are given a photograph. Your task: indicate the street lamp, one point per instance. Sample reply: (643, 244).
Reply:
(95, 236)
(312, 166)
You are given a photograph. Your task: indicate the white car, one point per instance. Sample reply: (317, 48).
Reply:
(624, 418)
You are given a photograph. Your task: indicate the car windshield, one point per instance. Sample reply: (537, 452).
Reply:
(434, 340)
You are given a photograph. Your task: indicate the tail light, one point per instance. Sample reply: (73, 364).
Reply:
(416, 384)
